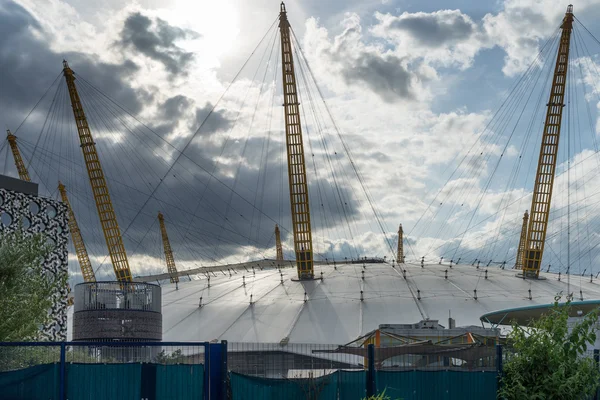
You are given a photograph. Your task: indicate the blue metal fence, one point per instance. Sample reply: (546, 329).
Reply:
(220, 371)
(105, 370)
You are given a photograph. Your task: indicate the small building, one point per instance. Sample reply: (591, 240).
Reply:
(22, 208)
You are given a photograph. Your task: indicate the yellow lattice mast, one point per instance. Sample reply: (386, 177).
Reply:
(106, 212)
(278, 248)
(171, 268)
(295, 156)
(400, 255)
(544, 178)
(21, 169)
(522, 240)
(82, 255)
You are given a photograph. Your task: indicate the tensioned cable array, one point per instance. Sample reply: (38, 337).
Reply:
(217, 186)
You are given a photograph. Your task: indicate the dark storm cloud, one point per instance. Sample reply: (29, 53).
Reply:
(216, 121)
(384, 75)
(437, 29)
(205, 219)
(156, 39)
(29, 66)
(174, 107)
(180, 108)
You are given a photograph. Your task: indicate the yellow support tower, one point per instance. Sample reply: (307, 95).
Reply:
(400, 255)
(522, 240)
(278, 248)
(106, 212)
(21, 169)
(295, 156)
(171, 268)
(544, 178)
(82, 255)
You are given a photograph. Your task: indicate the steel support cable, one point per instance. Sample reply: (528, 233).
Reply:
(460, 201)
(587, 58)
(591, 66)
(485, 129)
(37, 104)
(137, 120)
(265, 167)
(320, 190)
(147, 165)
(171, 205)
(251, 125)
(326, 151)
(508, 119)
(423, 314)
(502, 121)
(587, 30)
(53, 129)
(315, 170)
(181, 153)
(50, 166)
(102, 103)
(158, 200)
(258, 194)
(152, 217)
(226, 141)
(574, 133)
(45, 124)
(319, 121)
(568, 157)
(345, 147)
(98, 122)
(553, 212)
(45, 121)
(591, 129)
(500, 158)
(588, 61)
(511, 183)
(186, 243)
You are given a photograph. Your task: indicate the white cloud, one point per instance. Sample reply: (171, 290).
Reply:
(522, 25)
(445, 38)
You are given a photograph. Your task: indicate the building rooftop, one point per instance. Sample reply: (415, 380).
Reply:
(269, 306)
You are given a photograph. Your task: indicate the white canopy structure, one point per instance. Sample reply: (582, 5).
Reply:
(257, 302)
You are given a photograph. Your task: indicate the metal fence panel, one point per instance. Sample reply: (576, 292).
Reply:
(30, 372)
(104, 381)
(179, 382)
(448, 385)
(37, 382)
(102, 370)
(352, 385)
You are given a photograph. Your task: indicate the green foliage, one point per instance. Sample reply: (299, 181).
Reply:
(13, 358)
(25, 291)
(175, 357)
(548, 360)
(380, 396)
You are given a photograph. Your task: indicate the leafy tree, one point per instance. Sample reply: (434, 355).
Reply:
(25, 290)
(548, 359)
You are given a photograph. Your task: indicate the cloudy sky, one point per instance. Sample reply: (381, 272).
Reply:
(412, 87)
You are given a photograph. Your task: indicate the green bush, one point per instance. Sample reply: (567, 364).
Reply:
(548, 359)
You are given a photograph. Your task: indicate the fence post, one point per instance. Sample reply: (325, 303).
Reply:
(63, 366)
(224, 392)
(215, 371)
(206, 388)
(498, 365)
(597, 361)
(371, 370)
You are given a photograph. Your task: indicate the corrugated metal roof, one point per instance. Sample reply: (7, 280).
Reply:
(332, 311)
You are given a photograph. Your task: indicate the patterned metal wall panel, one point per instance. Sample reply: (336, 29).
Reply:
(42, 215)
